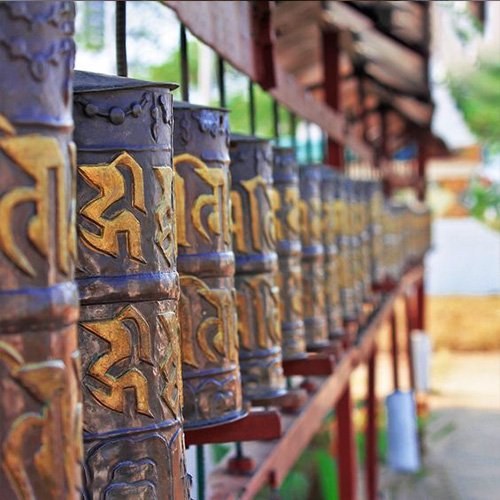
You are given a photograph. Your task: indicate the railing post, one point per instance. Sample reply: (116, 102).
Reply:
(331, 68)
(410, 298)
(371, 430)
(347, 470)
(394, 347)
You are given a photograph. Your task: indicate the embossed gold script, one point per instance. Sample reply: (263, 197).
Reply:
(213, 331)
(310, 215)
(171, 364)
(217, 221)
(110, 183)
(58, 422)
(264, 300)
(165, 230)
(118, 334)
(37, 156)
(286, 208)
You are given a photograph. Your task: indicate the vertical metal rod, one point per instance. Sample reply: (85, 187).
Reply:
(371, 430)
(200, 468)
(395, 353)
(251, 106)
(121, 38)
(293, 129)
(309, 152)
(420, 316)
(239, 450)
(421, 163)
(184, 64)
(409, 313)
(347, 471)
(276, 122)
(221, 81)
(332, 81)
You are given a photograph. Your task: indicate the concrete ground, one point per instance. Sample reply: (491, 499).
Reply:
(462, 435)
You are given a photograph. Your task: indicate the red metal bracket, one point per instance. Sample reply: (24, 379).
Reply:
(291, 400)
(256, 426)
(314, 365)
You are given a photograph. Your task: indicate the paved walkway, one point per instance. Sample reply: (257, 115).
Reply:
(462, 441)
(465, 259)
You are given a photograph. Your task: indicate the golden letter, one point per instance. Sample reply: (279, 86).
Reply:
(180, 210)
(46, 382)
(119, 338)
(276, 207)
(110, 182)
(223, 322)
(237, 223)
(165, 233)
(218, 220)
(36, 155)
(171, 364)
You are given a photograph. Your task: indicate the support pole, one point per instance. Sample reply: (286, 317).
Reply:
(420, 316)
(331, 68)
(184, 64)
(221, 81)
(395, 353)
(410, 298)
(251, 106)
(346, 454)
(121, 38)
(371, 431)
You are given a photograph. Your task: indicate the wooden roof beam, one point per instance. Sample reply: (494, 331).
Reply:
(416, 47)
(229, 29)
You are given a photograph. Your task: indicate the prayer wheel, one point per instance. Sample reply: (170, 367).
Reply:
(129, 289)
(343, 188)
(40, 409)
(375, 226)
(329, 231)
(286, 207)
(355, 218)
(366, 274)
(313, 273)
(254, 243)
(208, 319)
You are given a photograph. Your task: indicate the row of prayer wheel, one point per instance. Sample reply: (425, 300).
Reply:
(155, 275)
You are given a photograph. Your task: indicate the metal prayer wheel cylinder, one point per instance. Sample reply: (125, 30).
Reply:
(129, 289)
(286, 207)
(313, 273)
(254, 243)
(354, 206)
(208, 320)
(329, 229)
(376, 213)
(346, 271)
(40, 409)
(393, 241)
(364, 194)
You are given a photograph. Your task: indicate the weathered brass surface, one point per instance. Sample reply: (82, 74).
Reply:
(208, 321)
(286, 207)
(129, 289)
(376, 212)
(40, 409)
(343, 205)
(329, 230)
(254, 240)
(313, 272)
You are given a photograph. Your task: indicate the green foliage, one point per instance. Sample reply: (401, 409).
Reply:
(477, 94)
(484, 202)
(328, 474)
(91, 35)
(219, 451)
(170, 69)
